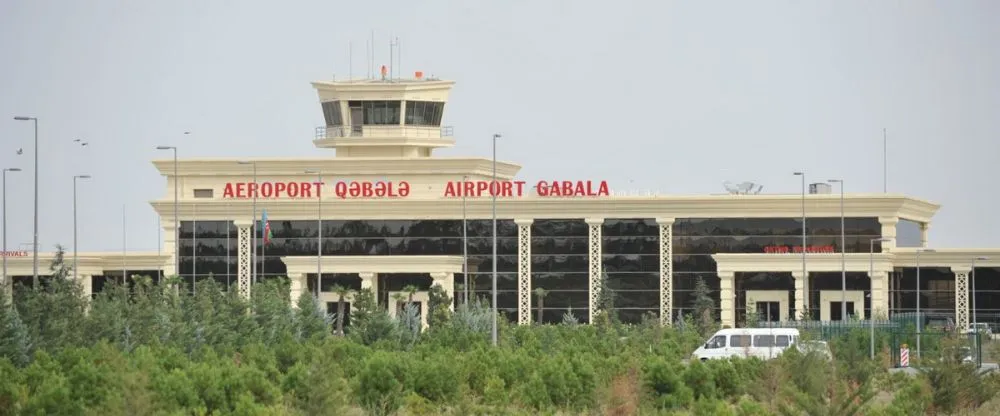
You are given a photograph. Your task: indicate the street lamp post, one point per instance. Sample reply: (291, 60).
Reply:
(34, 278)
(920, 319)
(494, 192)
(805, 276)
(843, 254)
(973, 278)
(319, 230)
(465, 246)
(253, 224)
(871, 272)
(5, 170)
(177, 224)
(75, 249)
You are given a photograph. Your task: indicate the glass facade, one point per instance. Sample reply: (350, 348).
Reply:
(378, 112)
(695, 240)
(937, 290)
(332, 114)
(631, 260)
(560, 265)
(424, 113)
(986, 281)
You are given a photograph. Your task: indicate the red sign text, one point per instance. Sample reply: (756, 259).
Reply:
(798, 249)
(516, 188)
(341, 189)
(15, 253)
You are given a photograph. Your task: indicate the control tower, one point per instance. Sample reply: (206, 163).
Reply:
(384, 117)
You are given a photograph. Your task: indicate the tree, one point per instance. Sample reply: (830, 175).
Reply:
(540, 300)
(58, 267)
(439, 304)
(15, 343)
(341, 292)
(605, 312)
(704, 307)
(311, 319)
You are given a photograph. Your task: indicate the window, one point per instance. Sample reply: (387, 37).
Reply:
(716, 342)
(763, 341)
(424, 113)
(739, 341)
(332, 113)
(203, 193)
(781, 341)
(378, 112)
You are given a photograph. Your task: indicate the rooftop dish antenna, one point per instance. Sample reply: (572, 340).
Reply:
(742, 188)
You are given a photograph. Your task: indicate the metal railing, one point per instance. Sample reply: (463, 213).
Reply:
(391, 130)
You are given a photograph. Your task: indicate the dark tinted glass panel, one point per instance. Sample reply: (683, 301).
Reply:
(424, 113)
(559, 228)
(332, 113)
(774, 226)
(694, 263)
(378, 112)
(207, 229)
(560, 263)
(768, 244)
(630, 228)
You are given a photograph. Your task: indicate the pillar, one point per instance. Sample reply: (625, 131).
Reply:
(369, 281)
(880, 294)
(666, 270)
(961, 296)
(924, 228)
(801, 294)
(169, 246)
(298, 285)
(888, 232)
(594, 274)
(447, 282)
(727, 298)
(244, 260)
(523, 270)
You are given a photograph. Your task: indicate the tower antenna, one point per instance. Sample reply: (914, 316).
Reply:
(392, 56)
(373, 54)
(368, 60)
(399, 58)
(350, 61)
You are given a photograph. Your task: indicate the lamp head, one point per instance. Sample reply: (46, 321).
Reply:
(13, 169)
(312, 171)
(982, 258)
(497, 135)
(82, 176)
(23, 118)
(799, 173)
(835, 180)
(165, 147)
(245, 162)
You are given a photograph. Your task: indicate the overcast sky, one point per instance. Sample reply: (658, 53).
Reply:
(672, 96)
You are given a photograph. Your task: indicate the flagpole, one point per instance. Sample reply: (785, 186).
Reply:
(124, 244)
(263, 244)
(229, 222)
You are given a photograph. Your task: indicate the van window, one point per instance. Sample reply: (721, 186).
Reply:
(739, 341)
(763, 340)
(718, 341)
(781, 341)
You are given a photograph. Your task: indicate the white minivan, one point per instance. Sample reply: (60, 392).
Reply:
(763, 343)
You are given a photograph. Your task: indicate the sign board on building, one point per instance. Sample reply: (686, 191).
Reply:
(798, 249)
(401, 189)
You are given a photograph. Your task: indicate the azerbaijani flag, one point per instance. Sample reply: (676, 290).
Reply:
(266, 225)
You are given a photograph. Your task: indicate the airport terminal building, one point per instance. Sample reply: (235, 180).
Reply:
(383, 212)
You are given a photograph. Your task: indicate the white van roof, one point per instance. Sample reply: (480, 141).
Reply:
(758, 331)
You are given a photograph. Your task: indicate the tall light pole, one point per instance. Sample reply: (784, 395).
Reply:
(177, 224)
(34, 278)
(319, 230)
(805, 274)
(5, 170)
(973, 278)
(843, 254)
(920, 319)
(871, 289)
(494, 193)
(75, 249)
(465, 245)
(253, 224)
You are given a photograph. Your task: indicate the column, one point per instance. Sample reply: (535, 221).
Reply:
(961, 296)
(888, 232)
(924, 228)
(727, 298)
(369, 281)
(447, 282)
(666, 270)
(880, 294)
(169, 246)
(523, 270)
(801, 295)
(298, 285)
(243, 257)
(594, 275)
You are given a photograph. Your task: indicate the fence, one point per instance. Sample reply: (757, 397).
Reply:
(828, 330)
(932, 346)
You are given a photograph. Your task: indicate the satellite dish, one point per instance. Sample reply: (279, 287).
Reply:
(742, 188)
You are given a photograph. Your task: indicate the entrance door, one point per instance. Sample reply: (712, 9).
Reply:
(769, 311)
(835, 311)
(357, 119)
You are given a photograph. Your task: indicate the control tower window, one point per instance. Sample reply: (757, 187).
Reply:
(378, 112)
(424, 113)
(331, 112)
